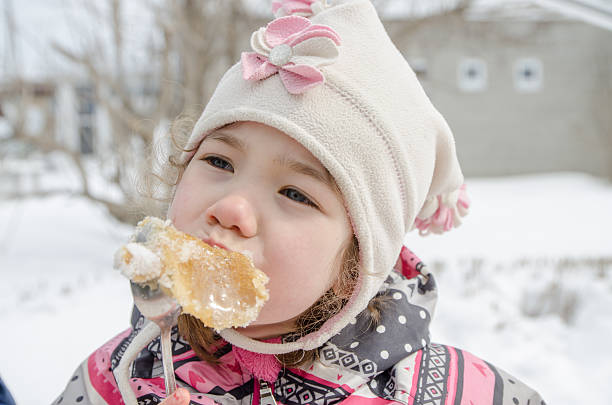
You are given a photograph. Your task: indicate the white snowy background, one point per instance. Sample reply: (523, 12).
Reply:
(525, 283)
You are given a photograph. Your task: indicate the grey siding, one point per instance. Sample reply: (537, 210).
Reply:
(567, 125)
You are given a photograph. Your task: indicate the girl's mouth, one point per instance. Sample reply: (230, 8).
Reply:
(213, 243)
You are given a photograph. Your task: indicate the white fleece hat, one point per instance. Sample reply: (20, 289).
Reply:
(336, 83)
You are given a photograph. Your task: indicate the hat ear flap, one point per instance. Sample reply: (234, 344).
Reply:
(447, 200)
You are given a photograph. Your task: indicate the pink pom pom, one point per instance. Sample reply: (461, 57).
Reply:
(448, 214)
(259, 365)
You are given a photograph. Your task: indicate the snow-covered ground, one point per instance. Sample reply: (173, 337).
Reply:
(525, 282)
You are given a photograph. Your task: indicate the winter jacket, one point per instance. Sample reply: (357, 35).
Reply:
(392, 361)
(5, 396)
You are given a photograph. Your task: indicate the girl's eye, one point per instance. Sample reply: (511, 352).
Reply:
(219, 163)
(295, 195)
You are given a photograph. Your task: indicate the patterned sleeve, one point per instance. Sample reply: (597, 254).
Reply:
(78, 391)
(93, 380)
(440, 374)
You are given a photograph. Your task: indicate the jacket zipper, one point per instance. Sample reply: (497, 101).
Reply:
(265, 394)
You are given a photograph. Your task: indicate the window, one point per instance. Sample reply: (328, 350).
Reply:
(472, 75)
(528, 75)
(87, 112)
(86, 139)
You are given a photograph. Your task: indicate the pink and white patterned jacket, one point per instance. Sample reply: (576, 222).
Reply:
(391, 362)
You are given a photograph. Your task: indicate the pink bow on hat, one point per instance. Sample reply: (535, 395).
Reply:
(293, 47)
(304, 8)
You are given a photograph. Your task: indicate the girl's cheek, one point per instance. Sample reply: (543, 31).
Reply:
(185, 202)
(297, 259)
(175, 208)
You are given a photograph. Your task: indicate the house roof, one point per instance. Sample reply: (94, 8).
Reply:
(27, 50)
(596, 12)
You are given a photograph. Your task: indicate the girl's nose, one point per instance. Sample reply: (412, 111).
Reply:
(233, 212)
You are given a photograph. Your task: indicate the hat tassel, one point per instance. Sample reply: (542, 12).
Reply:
(443, 212)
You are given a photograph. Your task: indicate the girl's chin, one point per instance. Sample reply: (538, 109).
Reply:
(262, 331)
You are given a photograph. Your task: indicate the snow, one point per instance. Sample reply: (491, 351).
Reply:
(143, 263)
(60, 299)
(525, 283)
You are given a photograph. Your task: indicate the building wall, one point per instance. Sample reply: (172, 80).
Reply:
(566, 125)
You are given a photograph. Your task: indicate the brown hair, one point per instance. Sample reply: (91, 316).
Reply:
(157, 185)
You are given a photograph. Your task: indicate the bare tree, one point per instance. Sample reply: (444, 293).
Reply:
(196, 41)
(191, 44)
(417, 12)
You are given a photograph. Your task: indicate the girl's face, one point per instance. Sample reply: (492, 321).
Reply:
(250, 187)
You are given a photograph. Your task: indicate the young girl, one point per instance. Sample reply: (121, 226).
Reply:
(317, 153)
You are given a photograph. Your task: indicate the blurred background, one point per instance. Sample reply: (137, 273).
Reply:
(526, 85)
